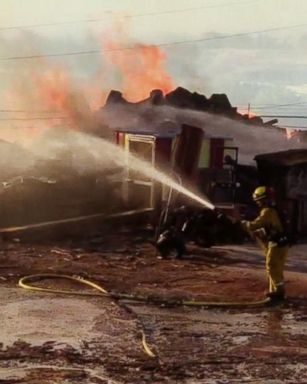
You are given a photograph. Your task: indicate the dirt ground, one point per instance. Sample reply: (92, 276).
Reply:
(57, 338)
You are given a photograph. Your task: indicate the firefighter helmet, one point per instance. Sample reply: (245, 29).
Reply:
(260, 193)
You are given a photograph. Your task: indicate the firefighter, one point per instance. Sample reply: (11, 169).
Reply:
(269, 231)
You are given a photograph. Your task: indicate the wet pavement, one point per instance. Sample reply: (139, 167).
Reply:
(258, 344)
(56, 338)
(97, 340)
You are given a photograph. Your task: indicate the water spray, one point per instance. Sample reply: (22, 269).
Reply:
(108, 154)
(119, 156)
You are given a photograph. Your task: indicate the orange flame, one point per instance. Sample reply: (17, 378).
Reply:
(53, 86)
(291, 133)
(247, 112)
(142, 69)
(46, 87)
(251, 115)
(56, 91)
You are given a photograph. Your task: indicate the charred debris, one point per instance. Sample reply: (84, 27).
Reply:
(184, 99)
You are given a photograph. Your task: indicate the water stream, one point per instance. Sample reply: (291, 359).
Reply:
(107, 153)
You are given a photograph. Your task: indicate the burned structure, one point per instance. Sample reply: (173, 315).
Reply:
(154, 129)
(182, 98)
(190, 157)
(286, 172)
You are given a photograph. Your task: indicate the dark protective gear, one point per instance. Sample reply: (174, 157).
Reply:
(276, 297)
(171, 239)
(274, 243)
(202, 226)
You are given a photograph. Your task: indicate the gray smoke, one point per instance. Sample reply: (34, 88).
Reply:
(251, 140)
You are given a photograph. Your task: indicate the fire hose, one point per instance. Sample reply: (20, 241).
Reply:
(25, 282)
(46, 224)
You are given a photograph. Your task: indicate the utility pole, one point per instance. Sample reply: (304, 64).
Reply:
(248, 109)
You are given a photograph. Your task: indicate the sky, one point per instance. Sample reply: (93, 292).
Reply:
(254, 51)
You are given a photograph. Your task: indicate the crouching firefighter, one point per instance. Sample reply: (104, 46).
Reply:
(269, 231)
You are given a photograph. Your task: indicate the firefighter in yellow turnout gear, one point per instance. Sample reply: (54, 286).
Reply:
(267, 228)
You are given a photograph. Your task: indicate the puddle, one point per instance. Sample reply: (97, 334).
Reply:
(216, 343)
(239, 340)
(22, 372)
(283, 321)
(68, 320)
(207, 319)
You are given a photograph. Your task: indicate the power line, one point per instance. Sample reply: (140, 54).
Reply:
(254, 107)
(285, 116)
(293, 126)
(290, 110)
(140, 46)
(34, 118)
(260, 106)
(127, 16)
(66, 117)
(90, 52)
(298, 104)
(26, 111)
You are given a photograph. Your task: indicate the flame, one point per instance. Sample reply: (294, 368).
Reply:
(247, 111)
(251, 115)
(28, 116)
(53, 87)
(56, 91)
(291, 133)
(59, 92)
(141, 68)
(49, 91)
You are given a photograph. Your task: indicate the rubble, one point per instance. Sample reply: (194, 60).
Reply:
(183, 98)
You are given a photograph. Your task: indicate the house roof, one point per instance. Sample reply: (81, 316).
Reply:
(167, 134)
(284, 158)
(147, 133)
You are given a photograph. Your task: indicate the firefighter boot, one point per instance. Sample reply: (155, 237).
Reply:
(278, 295)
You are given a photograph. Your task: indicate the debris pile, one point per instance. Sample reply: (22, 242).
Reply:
(183, 98)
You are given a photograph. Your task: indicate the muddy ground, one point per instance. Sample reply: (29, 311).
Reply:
(57, 338)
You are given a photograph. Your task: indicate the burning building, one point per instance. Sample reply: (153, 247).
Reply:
(203, 140)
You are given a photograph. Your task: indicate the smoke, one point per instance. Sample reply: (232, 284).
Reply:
(92, 155)
(58, 96)
(41, 94)
(251, 140)
(15, 160)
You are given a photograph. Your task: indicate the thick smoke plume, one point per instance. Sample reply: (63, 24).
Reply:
(55, 99)
(48, 99)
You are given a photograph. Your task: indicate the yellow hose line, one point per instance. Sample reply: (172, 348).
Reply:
(75, 220)
(24, 282)
(230, 304)
(145, 346)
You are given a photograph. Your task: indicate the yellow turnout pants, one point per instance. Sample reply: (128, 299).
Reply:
(275, 262)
